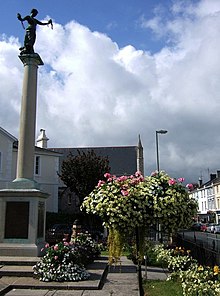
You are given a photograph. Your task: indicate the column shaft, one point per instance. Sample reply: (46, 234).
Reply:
(25, 161)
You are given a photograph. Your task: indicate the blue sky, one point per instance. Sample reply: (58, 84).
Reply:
(116, 69)
(120, 20)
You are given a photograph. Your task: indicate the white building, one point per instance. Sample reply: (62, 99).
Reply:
(208, 197)
(46, 166)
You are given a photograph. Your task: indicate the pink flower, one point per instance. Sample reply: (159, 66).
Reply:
(122, 178)
(189, 186)
(55, 257)
(181, 180)
(56, 248)
(107, 175)
(66, 244)
(172, 181)
(141, 179)
(138, 174)
(47, 246)
(41, 249)
(100, 183)
(124, 192)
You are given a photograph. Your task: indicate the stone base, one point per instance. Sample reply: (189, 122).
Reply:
(21, 250)
(22, 222)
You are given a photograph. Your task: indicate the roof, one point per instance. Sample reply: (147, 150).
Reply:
(122, 159)
(40, 150)
(3, 131)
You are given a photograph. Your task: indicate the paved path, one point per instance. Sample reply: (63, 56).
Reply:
(121, 280)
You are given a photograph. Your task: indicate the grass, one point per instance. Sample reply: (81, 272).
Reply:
(162, 288)
(106, 253)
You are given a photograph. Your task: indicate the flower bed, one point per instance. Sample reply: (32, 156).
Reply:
(196, 280)
(66, 261)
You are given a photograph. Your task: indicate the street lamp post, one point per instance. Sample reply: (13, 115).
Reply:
(157, 147)
(159, 234)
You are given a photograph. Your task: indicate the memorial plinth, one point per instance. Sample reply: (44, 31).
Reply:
(23, 204)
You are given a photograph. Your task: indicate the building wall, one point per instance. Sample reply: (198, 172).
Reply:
(6, 148)
(47, 177)
(123, 160)
(208, 196)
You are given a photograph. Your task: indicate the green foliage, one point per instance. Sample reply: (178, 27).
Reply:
(87, 248)
(82, 172)
(148, 251)
(115, 243)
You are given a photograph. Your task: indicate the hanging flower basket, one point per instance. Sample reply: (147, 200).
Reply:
(129, 202)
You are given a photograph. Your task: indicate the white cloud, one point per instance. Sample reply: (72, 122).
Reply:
(92, 93)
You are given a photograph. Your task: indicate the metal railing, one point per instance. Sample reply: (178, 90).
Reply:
(205, 247)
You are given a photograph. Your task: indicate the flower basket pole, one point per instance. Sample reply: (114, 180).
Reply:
(141, 290)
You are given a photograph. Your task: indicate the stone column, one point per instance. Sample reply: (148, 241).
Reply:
(23, 204)
(25, 161)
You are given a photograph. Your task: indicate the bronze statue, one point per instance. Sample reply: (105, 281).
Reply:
(30, 35)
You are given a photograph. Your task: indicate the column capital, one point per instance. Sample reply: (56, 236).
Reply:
(31, 59)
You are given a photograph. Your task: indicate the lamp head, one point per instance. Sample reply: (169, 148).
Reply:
(161, 132)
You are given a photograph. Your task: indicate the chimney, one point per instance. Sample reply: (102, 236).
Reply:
(42, 139)
(218, 174)
(212, 177)
(200, 182)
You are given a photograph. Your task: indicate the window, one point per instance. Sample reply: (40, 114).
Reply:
(37, 165)
(69, 199)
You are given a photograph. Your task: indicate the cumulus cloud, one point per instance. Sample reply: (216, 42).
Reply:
(93, 93)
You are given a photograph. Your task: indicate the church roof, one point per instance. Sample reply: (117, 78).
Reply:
(122, 159)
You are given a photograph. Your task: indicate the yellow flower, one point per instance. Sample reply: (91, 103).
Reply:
(200, 268)
(216, 270)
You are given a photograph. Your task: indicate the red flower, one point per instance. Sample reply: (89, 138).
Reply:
(172, 182)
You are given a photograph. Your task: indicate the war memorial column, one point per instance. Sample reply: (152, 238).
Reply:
(23, 204)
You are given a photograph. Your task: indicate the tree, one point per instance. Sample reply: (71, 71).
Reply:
(82, 172)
